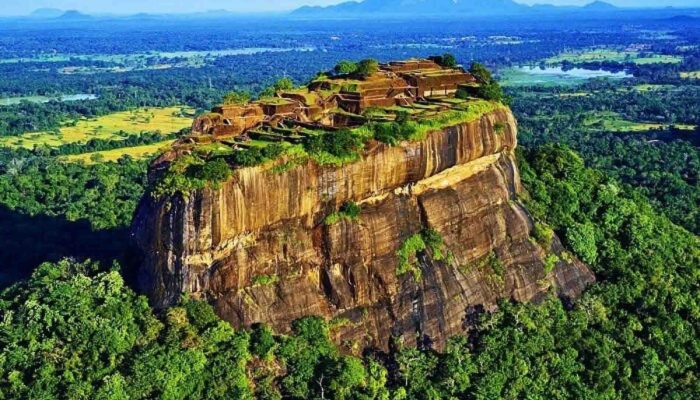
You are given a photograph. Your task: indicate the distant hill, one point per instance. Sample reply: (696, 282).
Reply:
(415, 7)
(46, 13)
(599, 6)
(73, 15)
(683, 18)
(370, 8)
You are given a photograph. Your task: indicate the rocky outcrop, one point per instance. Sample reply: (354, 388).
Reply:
(258, 249)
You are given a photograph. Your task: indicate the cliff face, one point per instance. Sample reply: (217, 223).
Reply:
(258, 248)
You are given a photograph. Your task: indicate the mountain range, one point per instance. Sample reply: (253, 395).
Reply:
(442, 7)
(383, 9)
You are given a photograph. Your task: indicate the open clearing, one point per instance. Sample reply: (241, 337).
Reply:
(690, 75)
(114, 126)
(613, 122)
(622, 56)
(136, 152)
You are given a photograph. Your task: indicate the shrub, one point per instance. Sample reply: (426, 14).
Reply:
(550, 262)
(256, 156)
(249, 157)
(491, 91)
(543, 234)
(349, 210)
(272, 151)
(434, 241)
(407, 254)
(342, 144)
(216, 170)
(265, 280)
(394, 132)
(189, 173)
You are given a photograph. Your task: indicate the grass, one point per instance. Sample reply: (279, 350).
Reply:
(215, 149)
(136, 152)
(613, 122)
(471, 111)
(611, 55)
(108, 127)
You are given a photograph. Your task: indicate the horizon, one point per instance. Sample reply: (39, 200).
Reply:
(128, 7)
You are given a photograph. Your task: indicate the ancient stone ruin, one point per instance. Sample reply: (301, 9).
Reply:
(337, 101)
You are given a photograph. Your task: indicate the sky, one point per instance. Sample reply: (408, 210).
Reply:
(22, 7)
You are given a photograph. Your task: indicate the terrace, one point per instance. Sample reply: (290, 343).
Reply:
(412, 89)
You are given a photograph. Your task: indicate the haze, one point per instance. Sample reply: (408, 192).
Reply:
(187, 6)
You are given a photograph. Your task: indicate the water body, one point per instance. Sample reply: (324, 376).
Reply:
(535, 75)
(9, 101)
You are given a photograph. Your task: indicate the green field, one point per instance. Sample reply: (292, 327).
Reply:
(136, 152)
(690, 75)
(166, 120)
(613, 122)
(551, 76)
(601, 55)
(652, 88)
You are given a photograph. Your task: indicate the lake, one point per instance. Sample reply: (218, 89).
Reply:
(534, 75)
(9, 101)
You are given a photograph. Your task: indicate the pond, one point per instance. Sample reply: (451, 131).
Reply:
(552, 76)
(9, 101)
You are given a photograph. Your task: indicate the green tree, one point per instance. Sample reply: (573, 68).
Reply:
(446, 60)
(236, 98)
(345, 68)
(281, 85)
(367, 67)
(582, 239)
(481, 73)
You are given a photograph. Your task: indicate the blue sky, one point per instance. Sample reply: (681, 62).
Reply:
(19, 7)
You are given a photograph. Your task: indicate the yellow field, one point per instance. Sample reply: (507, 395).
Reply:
(166, 120)
(690, 75)
(136, 152)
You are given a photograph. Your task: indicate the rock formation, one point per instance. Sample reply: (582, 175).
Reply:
(259, 248)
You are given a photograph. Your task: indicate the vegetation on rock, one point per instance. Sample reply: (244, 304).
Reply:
(414, 246)
(350, 211)
(191, 172)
